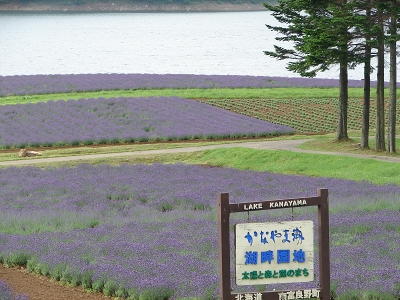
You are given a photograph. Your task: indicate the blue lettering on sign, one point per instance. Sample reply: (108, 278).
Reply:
(249, 238)
(299, 256)
(267, 256)
(273, 235)
(283, 256)
(251, 257)
(286, 236)
(297, 235)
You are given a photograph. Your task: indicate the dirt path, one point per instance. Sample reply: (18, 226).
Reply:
(290, 145)
(42, 288)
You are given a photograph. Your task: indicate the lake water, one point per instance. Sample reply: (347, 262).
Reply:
(163, 43)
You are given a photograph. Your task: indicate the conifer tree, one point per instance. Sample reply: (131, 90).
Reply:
(322, 33)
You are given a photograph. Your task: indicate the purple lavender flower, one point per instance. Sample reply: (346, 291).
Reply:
(6, 293)
(124, 120)
(45, 84)
(139, 229)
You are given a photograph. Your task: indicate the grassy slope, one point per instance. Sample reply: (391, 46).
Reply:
(260, 160)
(273, 161)
(308, 110)
(267, 93)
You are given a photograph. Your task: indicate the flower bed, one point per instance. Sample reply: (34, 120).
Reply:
(151, 230)
(47, 84)
(6, 293)
(115, 120)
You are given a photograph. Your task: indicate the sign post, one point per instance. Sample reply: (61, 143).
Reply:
(275, 252)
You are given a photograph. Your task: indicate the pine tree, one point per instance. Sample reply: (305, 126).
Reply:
(322, 33)
(393, 76)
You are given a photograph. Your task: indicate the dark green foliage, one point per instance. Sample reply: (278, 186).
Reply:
(16, 259)
(110, 288)
(98, 285)
(340, 32)
(86, 279)
(322, 33)
(122, 293)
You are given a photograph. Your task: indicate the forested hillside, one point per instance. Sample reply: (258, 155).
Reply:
(133, 5)
(77, 2)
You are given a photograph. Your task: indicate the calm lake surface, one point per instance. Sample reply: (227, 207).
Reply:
(163, 43)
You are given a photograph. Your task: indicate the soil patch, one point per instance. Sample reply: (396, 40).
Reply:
(42, 288)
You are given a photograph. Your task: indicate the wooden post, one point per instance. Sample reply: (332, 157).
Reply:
(224, 246)
(323, 245)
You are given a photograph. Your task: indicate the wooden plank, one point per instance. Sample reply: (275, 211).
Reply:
(274, 204)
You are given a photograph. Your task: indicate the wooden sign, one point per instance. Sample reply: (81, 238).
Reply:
(275, 252)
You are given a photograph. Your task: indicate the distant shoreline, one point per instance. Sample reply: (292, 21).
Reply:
(125, 6)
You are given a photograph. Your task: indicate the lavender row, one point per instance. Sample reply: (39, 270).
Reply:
(123, 120)
(45, 84)
(6, 293)
(154, 228)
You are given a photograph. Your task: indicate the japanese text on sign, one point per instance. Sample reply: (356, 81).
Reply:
(291, 295)
(276, 252)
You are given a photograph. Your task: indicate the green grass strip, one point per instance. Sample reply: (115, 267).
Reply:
(274, 161)
(244, 93)
(317, 165)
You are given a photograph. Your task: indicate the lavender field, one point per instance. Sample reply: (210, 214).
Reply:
(6, 293)
(48, 84)
(115, 120)
(151, 230)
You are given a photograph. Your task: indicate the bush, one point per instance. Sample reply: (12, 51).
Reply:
(122, 293)
(159, 293)
(98, 285)
(16, 259)
(110, 287)
(58, 271)
(86, 279)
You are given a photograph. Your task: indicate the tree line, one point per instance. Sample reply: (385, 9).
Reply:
(345, 33)
(78, 2)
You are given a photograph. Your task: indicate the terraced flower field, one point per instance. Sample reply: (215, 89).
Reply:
(44, 84)
(149, 232)
(117, 120)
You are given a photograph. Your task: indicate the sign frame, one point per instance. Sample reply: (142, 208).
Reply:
(225, 209)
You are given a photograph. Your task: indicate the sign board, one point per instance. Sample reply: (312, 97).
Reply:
(275, 252)
(309, 294)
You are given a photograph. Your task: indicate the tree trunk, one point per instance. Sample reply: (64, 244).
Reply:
(380, 101)
(367, 91)
(393, 83)
(343, 102)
